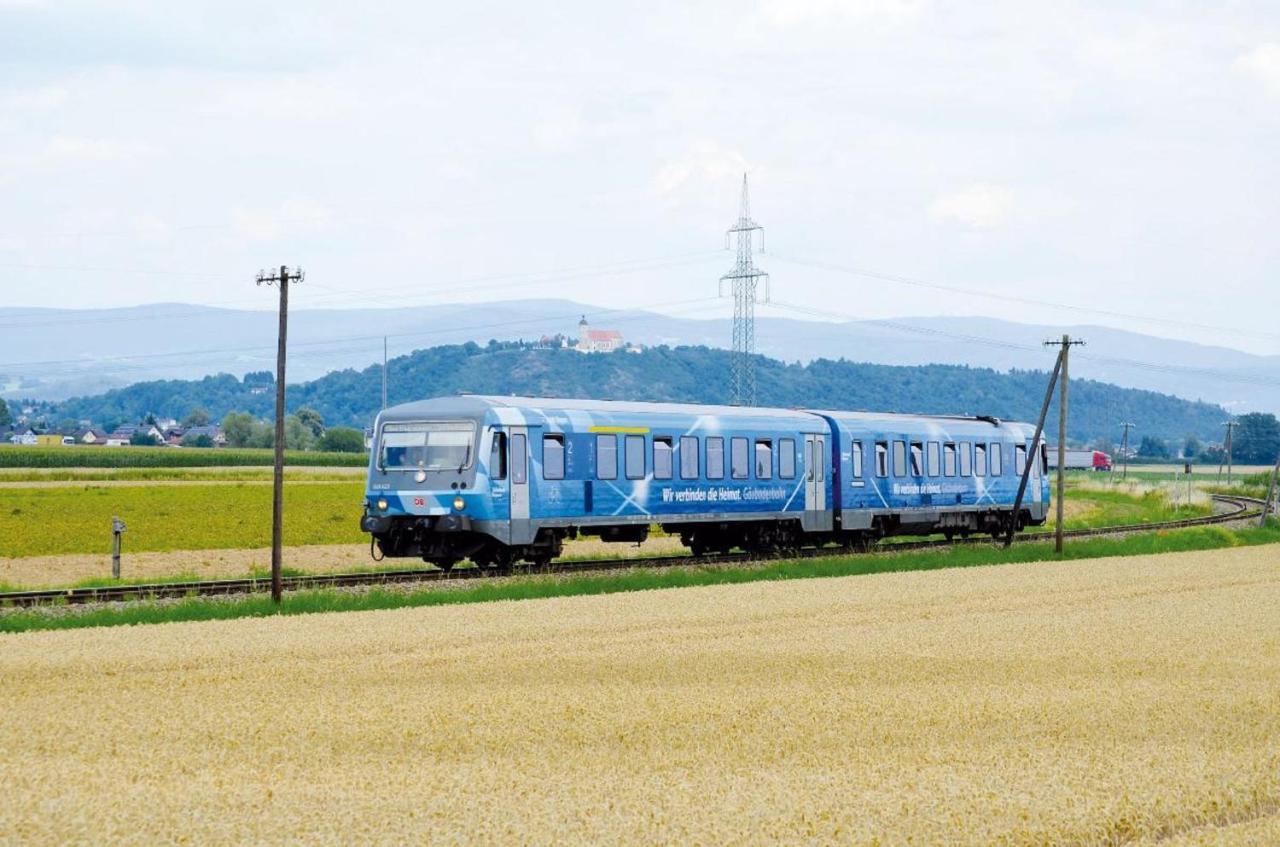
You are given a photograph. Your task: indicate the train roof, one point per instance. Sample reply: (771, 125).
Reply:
(479, 403)
(951, 421)
(472, 405)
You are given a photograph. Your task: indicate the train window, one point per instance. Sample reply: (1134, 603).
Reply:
(882, 458)
(899, 458)
(415, 446)
(997, 459)
(933, 459)
(948, 460)
(634, 458)
(688, 457)
(498, 456)
(917, 458)
(819, 460)
(966, 459)
(738, 464)
(979, 460)
(553, 457)
(715, 457)
(1019, 458)
(764, 458)
(856, 456)
(786, 458)
(519, 459)
(662, 457)
(1044, 458)
(607, 456)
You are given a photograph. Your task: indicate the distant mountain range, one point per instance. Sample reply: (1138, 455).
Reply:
(57, 353)
(689, 374)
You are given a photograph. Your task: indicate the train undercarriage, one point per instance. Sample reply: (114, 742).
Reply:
(445, 546)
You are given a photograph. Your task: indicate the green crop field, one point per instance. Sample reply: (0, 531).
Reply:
(43, 521)
(163, 457)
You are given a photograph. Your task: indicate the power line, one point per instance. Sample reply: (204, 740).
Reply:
(331, 343)
(1182, 370)
(519, 279)
(1012, 298)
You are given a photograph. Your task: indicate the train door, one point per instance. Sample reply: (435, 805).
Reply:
(1034, 483)
(519, 468)
(815, 484)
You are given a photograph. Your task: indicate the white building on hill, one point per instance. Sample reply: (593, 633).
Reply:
(597, 340)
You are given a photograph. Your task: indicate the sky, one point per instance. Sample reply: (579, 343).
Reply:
(1118, 159)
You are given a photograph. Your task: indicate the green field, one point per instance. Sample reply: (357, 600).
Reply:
(170, 474)
(215, 509)
(530, 587)
(44, 521)
(163, 457)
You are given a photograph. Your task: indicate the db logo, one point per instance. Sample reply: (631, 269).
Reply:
(419, 501)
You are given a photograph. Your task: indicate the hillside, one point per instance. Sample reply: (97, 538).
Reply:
(692, 374)
(53, 354)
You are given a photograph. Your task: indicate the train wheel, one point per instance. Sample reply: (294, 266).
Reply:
(445, 564)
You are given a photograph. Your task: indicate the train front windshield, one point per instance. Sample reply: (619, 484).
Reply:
(427, 446)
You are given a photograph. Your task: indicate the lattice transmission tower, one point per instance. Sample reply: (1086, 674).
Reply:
(744, 284)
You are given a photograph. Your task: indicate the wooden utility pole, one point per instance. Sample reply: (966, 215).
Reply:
(1226, 448)
(281, 280)
(1033, 454)
(1067, 344)
(1271, 493)
(1124, 451)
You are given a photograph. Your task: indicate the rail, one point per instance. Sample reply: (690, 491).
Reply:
(1242, 509)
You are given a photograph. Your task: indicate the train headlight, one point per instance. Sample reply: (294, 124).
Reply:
(458, 504)
(382, 505)
(420, 476)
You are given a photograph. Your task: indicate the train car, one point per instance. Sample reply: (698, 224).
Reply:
(920, 475)
(504, 479)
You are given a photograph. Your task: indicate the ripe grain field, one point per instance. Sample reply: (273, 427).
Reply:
(1096, 701)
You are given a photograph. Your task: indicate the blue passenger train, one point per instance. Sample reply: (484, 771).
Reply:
(503, 479)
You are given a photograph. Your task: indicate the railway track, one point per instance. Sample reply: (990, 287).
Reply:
(1241, 508)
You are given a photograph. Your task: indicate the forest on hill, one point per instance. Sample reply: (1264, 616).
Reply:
(685, 374)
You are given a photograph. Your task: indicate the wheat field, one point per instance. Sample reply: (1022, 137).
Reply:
(1107, 701)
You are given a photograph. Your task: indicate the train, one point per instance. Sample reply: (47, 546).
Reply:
(1081, 460)
(501, 480)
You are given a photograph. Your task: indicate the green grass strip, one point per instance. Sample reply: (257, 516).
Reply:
(310, 602)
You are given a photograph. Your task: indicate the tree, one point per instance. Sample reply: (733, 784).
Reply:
(143, 438)
(6, 417)
(196, 417)
(239, 429)
(297, 436)
(312, 420)
(1153, 448)
(342, 439)
(1191, 447)
(150, 419)
(1257, 439)
(200, 440)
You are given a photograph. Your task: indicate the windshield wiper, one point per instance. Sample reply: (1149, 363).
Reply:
(465, 459)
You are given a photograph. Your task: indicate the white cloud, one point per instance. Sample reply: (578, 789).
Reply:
(706, 165)
(980, 206)
(824, 13)
(1263, 64)
(293, 217)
